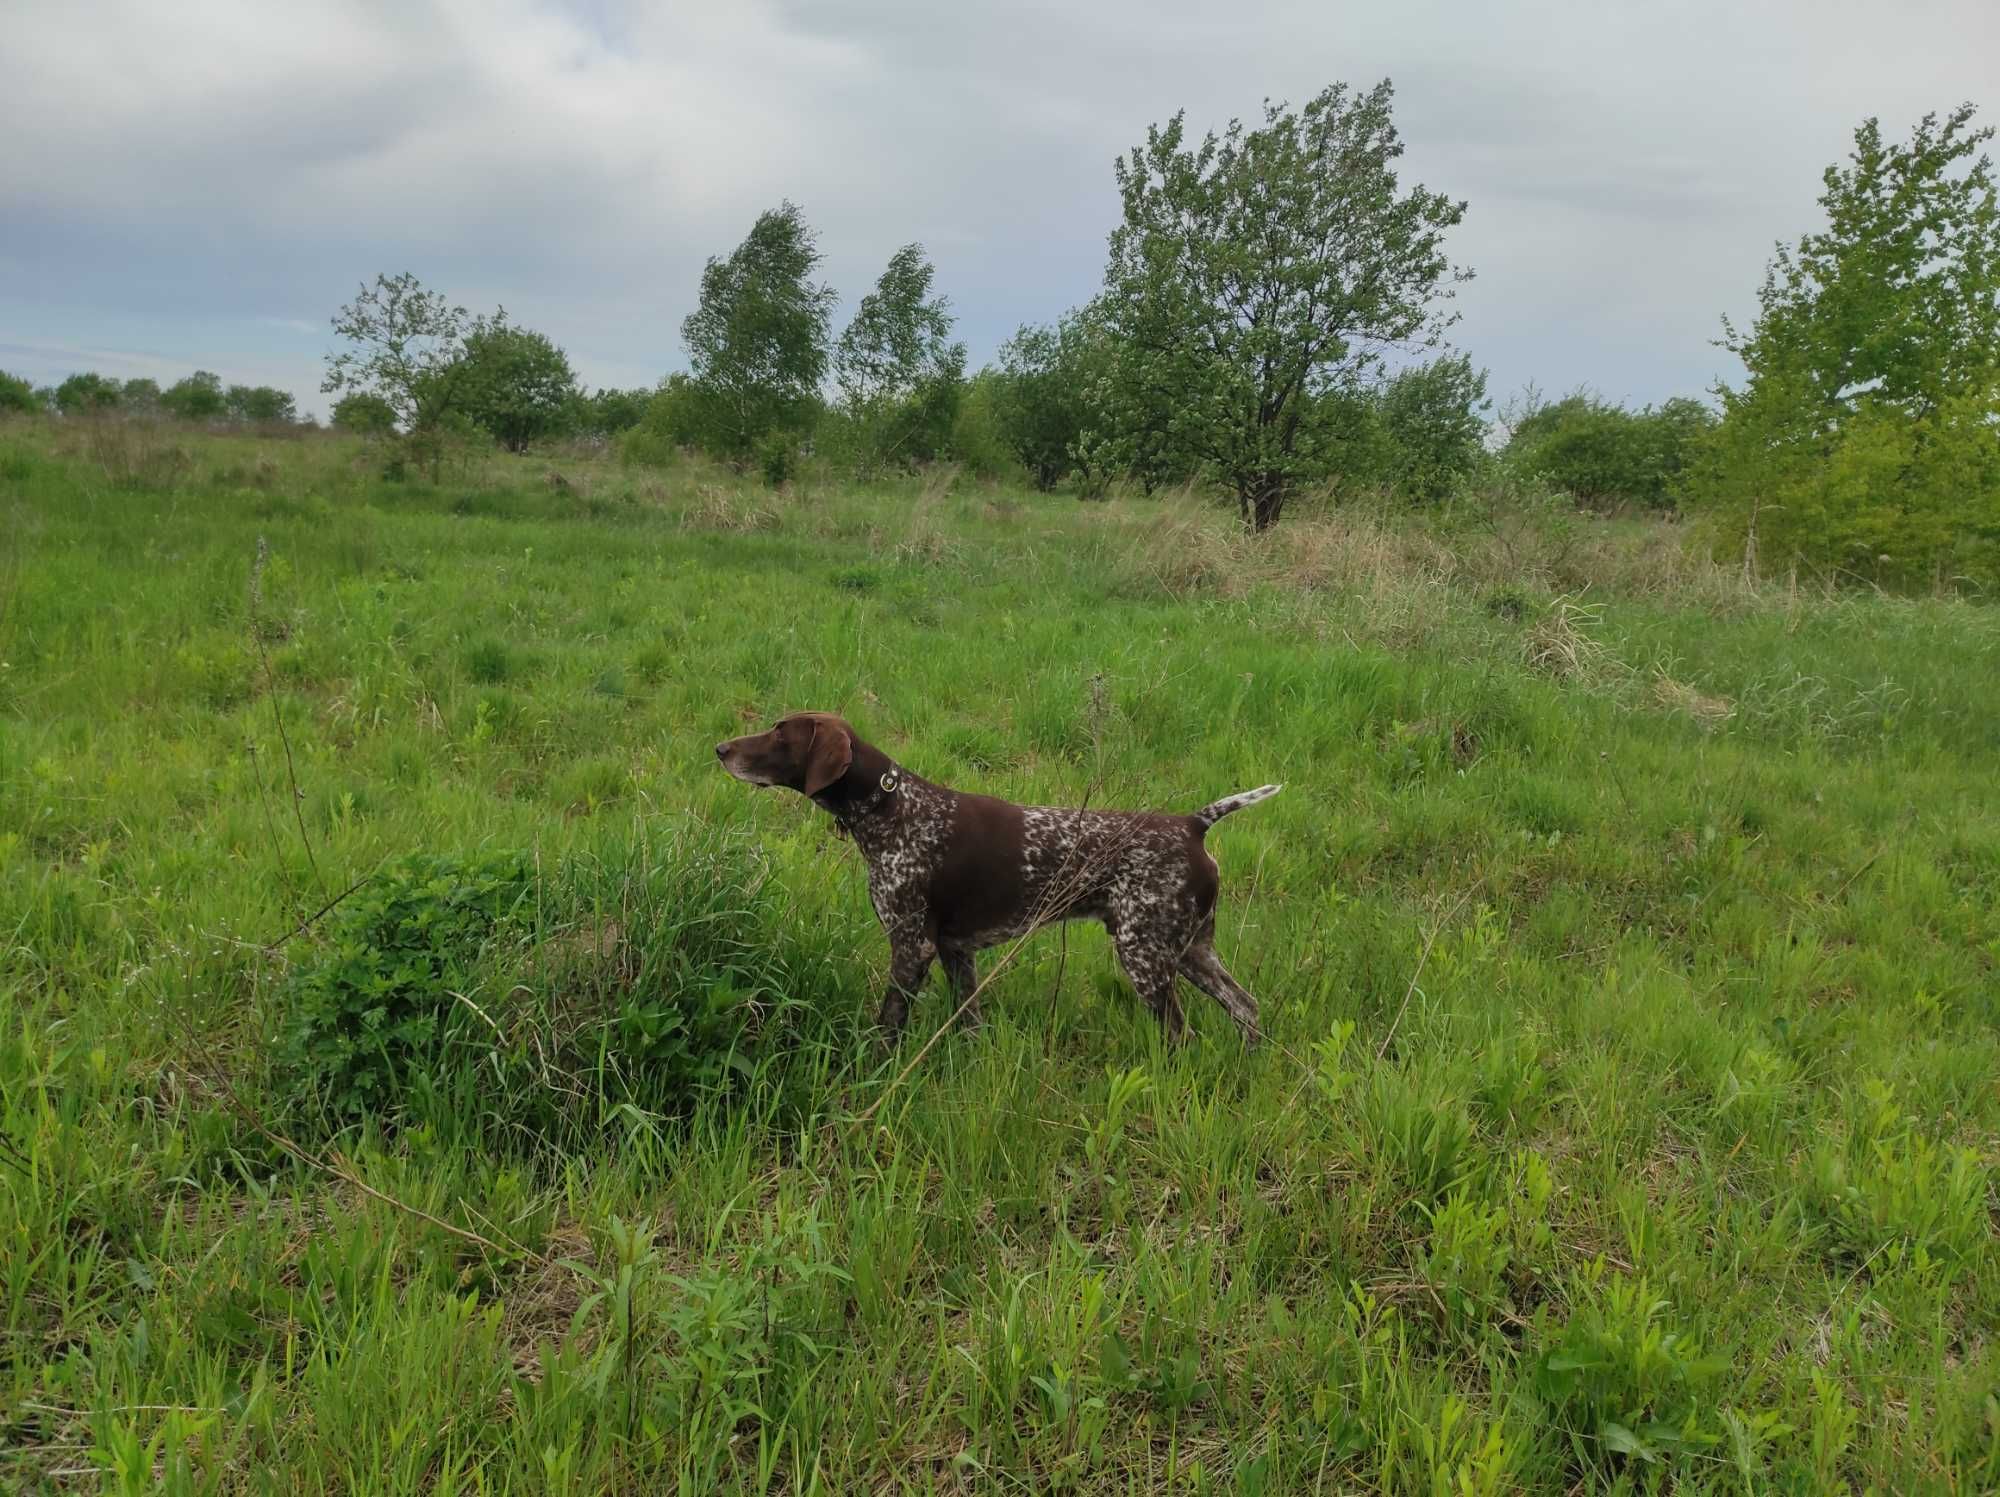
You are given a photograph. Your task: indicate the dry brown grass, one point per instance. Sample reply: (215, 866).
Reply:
(1678, 696)
(1559, 643)
(731, 507)
(926, 540)
(141, 456)
(1181, 545)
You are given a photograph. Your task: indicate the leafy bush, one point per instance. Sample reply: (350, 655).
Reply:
(377, 1005)
(199, 397)
(608, 412)
(1431, 423)
(518, 385)
(1888, 498)
(1866, 438)
(1043, 393)
(671, 423)
(359, 411)
(260, 404)
(471, 995)
(87, 392)
(1620, 1382)
(977, 439)
(1602, 454)
(17, 395)
(777, 458)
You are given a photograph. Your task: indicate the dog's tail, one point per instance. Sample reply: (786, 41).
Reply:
(1209, 815)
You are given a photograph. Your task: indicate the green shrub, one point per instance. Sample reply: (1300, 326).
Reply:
(478, 997)
(359, 411)
(1888, 1186)
(777, 458)
(1432, 422)
(17, 395)
(1886, 497)
(1619, 1382)
(376, 1004)
(977, 439)
(1602, 454)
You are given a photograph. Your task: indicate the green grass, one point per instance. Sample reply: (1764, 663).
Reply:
(1630, 941)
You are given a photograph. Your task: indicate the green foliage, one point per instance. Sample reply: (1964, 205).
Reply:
(87, 392)
(365, 414)
(140, 395)
(260, 405)
(608, 413)
(517, 385)
(407, 348)
(1432, 429)
(1046, 394)
(1888, 1188)
(1866, 439)
(978, 438)
(1622, 1384)
(777, 458)
(1604, 455)
(1894, 500)
(198, 397)
(17, 395)
(899, 373)
(1254, 273)
(1569, 974)
(374, 1008)
(671, 422)
(757, 343)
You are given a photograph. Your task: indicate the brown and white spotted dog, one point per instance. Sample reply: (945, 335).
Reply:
(951, 873)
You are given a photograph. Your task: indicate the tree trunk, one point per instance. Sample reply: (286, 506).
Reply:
(1262, 501)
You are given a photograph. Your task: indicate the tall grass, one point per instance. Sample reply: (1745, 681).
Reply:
(1627, 936)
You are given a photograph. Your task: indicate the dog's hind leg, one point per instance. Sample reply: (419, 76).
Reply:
(1202, 967)
(964, 975)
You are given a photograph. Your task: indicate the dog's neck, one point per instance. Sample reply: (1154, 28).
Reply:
(871, 789)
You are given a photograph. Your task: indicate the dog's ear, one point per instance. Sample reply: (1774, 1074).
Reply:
(831, 752)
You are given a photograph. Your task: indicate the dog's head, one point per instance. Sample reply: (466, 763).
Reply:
(806, 752)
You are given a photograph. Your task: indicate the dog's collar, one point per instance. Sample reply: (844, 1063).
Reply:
(871, 802)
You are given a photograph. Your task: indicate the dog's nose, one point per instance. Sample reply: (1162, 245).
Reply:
(722, 751)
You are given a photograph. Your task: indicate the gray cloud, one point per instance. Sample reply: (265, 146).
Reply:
(203, 185)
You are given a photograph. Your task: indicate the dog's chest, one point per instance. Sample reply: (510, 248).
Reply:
(904, 850)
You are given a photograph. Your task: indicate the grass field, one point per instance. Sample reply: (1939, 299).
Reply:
(1629, 939)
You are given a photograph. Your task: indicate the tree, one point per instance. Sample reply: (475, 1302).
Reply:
(899, 373)
(87, 392)
(1867, 434)
(260, 404)
(199, 397)
(977, 440)
(757, 342)
(17, 395)
(1601, 453)
(1044, 396)
(369, 415)
(1264, 268)
(140, 395)
(1431, 418)
(608, 412)
(518, 385)
(408, 350)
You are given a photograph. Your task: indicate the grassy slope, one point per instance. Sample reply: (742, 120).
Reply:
(1690, 1114)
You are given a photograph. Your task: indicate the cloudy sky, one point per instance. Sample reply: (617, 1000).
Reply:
(202, 184)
